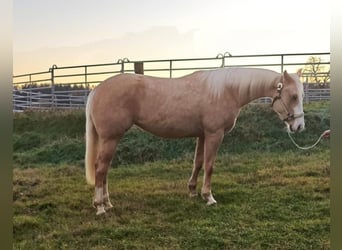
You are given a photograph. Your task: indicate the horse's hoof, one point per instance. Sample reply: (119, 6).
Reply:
(193, 194)
(108, 205)
(211, 202)
(100, 210)
(209, 198)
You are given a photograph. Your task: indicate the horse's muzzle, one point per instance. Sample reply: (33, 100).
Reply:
(292, 128)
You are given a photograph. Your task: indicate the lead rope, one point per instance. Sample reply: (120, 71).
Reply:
(325, 133)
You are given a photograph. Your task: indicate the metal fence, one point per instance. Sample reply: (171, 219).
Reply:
(65, 87)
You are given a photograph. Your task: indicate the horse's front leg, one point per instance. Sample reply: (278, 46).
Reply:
(198, 162)
(106, 200)
(212, 141)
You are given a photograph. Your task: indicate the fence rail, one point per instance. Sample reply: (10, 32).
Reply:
(63, 87)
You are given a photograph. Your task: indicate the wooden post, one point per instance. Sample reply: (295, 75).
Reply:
(139, 68)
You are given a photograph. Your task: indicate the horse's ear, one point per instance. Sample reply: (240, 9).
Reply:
(286, 76)
(299, 72)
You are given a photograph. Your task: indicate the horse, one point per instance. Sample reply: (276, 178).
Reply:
(204, 104)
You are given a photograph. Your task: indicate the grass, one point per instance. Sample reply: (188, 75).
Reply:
(265, 201)
(270, 195)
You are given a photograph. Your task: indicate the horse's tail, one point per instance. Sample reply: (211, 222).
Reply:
(91, 138)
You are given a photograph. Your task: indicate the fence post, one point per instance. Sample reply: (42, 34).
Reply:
(122, 61)
(87, 87)
(86, 76)
(52, 70)
(70, 102)
(282, 63)
(306, 92)
(170, 68)
(223, 57)
(30, 93)
(139, 68)
(30, 97)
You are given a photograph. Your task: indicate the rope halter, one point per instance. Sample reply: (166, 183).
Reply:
(292, 116)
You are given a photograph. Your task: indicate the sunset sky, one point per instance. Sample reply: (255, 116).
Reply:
(73, 32)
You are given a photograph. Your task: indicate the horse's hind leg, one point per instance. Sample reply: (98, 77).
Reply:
(106, 149)
(198, 162)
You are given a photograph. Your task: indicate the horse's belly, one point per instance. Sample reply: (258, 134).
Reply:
(167, 130)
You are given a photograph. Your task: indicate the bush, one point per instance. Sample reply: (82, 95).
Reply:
(58, 137)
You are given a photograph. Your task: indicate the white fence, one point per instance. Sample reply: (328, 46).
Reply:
(34, 98)
(67, 87)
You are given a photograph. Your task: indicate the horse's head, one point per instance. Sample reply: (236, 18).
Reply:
(288, 101)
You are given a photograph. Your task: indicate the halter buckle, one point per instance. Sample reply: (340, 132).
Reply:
(279, 87)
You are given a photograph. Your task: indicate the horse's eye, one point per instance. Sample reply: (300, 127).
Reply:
(295, 97)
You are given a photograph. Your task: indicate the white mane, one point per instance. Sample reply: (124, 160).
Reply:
(244, 79)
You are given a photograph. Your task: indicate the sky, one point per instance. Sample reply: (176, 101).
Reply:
(73, 32)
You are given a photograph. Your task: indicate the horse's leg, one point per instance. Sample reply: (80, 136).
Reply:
(212, 142)
(198, 162)
(106, 201)
(106, 149)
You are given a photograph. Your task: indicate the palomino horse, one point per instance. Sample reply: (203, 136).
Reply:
(204, 104)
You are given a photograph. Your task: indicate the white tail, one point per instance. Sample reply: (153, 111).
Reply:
(91, 145)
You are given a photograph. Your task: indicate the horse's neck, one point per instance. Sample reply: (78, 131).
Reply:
(257, 88)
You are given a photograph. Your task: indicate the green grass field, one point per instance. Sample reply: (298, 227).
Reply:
(270, 195)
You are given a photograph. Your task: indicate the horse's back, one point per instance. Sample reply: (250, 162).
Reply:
(179, 107)
(162, 106)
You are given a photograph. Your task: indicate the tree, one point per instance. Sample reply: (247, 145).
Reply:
(316, 72)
